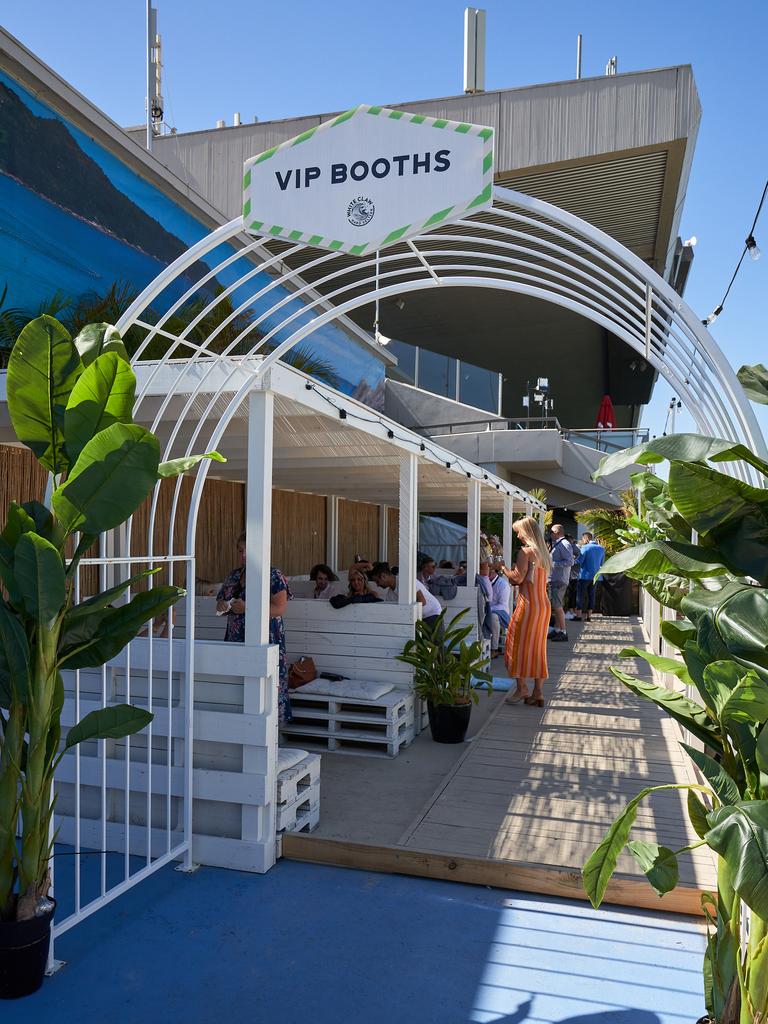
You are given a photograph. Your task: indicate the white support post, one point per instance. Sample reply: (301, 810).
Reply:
(383, 533)
(542, 519)
(409, 527)
(506, 540)
(260, 693)
(332, 531)
(473, 531)
(258, 516)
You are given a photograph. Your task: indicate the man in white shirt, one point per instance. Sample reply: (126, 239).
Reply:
(430, 606)
(499, 607)
(386, 580)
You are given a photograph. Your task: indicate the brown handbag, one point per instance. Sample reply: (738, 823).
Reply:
(302, 671)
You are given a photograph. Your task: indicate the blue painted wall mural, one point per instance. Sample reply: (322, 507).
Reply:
(76, 220)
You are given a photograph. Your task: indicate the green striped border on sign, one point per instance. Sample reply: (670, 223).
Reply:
(450, 213)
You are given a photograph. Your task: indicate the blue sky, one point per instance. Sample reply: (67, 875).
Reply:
(281, 60)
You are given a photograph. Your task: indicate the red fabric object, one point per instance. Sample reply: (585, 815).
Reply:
(606, 417)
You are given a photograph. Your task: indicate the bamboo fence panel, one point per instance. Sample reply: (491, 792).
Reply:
(358, 531)
(298, 531)
(393, 535)
(220, 521)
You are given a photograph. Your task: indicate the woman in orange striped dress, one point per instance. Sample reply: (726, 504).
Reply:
(526, 652)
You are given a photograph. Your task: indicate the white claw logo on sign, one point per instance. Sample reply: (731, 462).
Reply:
(368, 179)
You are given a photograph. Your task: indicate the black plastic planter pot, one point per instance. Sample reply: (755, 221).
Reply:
(448, 723)
(24, 954)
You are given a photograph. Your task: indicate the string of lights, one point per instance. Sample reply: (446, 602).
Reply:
(751, 247)
(421, 445)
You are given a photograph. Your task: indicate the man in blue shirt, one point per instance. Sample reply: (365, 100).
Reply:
(592, 557)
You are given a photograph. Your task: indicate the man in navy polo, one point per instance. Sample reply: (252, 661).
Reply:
(592, 557)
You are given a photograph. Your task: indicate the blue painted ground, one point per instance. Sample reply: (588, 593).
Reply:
(306, 944)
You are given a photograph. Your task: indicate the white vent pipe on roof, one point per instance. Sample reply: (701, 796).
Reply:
(474, 50)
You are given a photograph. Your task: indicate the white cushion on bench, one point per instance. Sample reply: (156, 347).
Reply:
(352, 689)
(288, 758)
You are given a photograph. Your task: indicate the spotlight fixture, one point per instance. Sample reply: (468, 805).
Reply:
(400, 303)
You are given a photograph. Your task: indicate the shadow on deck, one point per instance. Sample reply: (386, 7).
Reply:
(526, 801)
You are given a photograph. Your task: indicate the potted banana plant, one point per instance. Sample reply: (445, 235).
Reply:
(445, 669)
(719, 585)
(71, 403)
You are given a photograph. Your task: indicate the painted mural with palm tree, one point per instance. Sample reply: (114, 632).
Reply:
(228, 325)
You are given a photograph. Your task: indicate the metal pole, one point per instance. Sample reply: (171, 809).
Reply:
(149, 76)
(578, 55)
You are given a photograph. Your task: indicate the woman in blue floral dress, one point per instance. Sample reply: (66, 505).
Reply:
(230, 600)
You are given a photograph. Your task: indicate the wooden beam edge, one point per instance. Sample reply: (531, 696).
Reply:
(533, 878)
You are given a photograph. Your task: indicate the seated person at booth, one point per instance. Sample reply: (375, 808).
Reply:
(499, 607)
(426, 566)
(322, 576)
(359, 591)
(385, 580)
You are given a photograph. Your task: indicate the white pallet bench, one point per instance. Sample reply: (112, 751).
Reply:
(340, 724)
(301, 814)
(293, 782)
(343, 733)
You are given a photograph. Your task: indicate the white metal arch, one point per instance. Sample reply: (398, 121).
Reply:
(522, 245)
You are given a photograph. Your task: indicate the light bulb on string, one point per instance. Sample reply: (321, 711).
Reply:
(753, 248)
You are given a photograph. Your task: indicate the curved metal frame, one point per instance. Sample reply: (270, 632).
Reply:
(522, 245)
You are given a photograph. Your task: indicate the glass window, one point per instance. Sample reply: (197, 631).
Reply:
(406, 359)
(437, 373)
(479, 387)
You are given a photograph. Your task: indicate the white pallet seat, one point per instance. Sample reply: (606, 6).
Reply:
(302, 776)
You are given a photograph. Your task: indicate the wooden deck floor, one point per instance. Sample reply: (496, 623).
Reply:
(537, 788)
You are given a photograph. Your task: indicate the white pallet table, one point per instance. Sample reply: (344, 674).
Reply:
(293, 782)
(293, 817)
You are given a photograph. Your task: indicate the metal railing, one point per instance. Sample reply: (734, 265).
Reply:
(477, 426)
(601, 439)
(608, 440)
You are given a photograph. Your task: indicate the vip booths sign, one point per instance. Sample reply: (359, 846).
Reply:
(368, 179)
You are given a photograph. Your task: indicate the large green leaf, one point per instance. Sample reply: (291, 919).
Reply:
(7, 574)
(42, 370)
(116, 471)
(103, 395)
(178, 466)
(97, 339)
(748, 702)
(719, 679)
(112, 723)
(601, 864)
(660, 556)
(658, 864)
(678, 633)
(104, 599)
(671, 665)
(697, 814)
(739, 834)
(679, 448)
(723, 785)
(687, 712)
(726, 513)
(14, 658)
(39, 573)
(732, 622)
(754, 380)
(117, 627)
